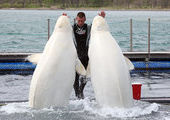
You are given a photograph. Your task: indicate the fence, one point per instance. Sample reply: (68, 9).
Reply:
(142, 60)
(131, 38)
(32, 40)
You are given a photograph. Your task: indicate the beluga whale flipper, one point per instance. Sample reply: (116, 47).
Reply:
(108, 69)
(53, 78)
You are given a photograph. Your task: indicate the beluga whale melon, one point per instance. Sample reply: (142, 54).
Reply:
(108, 68)
(53, 78)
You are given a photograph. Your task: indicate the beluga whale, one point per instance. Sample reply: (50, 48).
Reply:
(53, 78)
(108, 68)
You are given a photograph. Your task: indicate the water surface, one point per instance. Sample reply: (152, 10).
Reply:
(26, 30)
(16, 88)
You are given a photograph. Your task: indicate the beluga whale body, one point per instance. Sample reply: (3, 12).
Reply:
(108, 68)
(53, 78)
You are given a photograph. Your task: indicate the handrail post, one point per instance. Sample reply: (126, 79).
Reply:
(131, 43)
(48, 29)
(149, 30)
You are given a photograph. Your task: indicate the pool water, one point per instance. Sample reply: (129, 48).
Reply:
(16, 88)
(26, 30)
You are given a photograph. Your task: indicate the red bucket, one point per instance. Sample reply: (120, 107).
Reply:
(136, 90)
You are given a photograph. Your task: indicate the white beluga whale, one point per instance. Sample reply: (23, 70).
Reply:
(53, 78)
(108, 68)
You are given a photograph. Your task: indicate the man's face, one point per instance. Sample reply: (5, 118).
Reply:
(80, 21)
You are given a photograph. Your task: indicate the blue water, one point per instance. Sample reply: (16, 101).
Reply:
(26, 30)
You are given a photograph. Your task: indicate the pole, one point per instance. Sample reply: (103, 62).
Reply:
(149, 38)
(48, 29)
(131, 43)
(148, 58)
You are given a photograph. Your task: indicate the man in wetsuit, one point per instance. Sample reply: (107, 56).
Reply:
(82, 35)
(81, 32)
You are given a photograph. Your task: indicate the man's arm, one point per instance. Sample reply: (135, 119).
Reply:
(88, 34)
(74, 38)
(64, 14)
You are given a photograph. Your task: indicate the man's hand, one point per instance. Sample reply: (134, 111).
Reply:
(64, 14)
(102, 13)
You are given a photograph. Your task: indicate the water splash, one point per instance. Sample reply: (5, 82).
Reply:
(140, 108)
(15, 108)
(84, 107)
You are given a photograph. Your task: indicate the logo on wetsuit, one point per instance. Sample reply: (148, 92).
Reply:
(80, 31)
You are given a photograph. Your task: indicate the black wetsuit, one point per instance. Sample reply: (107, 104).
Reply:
(81, 42)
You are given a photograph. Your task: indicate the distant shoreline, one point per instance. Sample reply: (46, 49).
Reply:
(85, 9)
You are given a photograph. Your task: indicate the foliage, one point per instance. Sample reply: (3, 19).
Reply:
(114, 4)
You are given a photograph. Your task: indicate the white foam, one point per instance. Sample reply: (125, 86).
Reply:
(86, 105)
(23, 107)
(137, 110)
(121, 112)
(15, 108)
(167, 118)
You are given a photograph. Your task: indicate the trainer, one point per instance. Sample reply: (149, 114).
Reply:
(82, 36)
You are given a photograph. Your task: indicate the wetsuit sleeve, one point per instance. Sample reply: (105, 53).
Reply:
(88, 35)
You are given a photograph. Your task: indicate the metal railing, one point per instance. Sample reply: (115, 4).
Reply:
(48, 28)
(131, 32)
(131, 36)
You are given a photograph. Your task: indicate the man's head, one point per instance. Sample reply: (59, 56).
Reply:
(81, 18)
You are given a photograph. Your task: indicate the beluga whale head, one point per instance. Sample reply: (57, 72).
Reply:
(63, 24)
(99, 24)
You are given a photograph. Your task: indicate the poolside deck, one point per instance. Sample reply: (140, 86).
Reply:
(142, 56)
